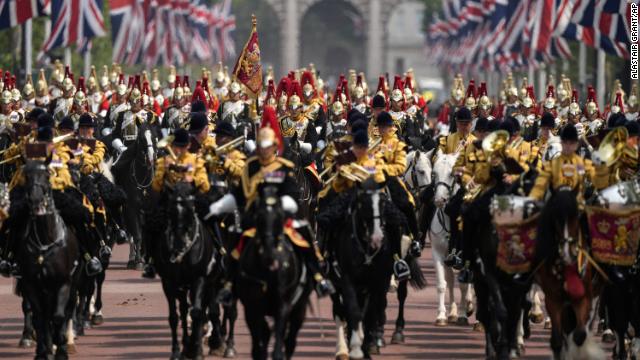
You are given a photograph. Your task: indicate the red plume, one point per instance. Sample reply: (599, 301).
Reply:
(81, 85)
(270, 119)
(198, 94)
(618, 102)
(471, 89)
(381, 86)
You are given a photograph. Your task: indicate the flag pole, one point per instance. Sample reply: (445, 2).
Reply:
(542, 80)
(67, 56)
(582, 67)
(602, 58)
(27, 44)
(87, 61)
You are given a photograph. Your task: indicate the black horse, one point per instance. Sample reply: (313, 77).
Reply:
(309, 187)
(622, 302)
(48, 254)
(186, 262)
(133, 172)
(272, 281)
(362, 264)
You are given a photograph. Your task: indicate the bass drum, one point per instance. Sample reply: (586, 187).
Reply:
(621, 196)
(511, 209)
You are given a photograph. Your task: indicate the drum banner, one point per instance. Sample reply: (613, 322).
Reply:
(614, 235)
(516, 245)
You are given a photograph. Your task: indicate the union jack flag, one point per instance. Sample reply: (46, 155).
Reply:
(74, 22)
(227, 24)
(128, 26)
(16, 12)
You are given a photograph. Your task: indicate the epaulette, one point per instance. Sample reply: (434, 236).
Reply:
(285, 162)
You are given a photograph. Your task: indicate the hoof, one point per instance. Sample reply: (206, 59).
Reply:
(521, 350)
(374, 349)
(131, 264)
(86, 324)
(470, 310)
(139, 266)
(25, 343)
(342, 357)
(230, 353)
(219, 351)
(71, 349)
(380, 342)
(451, 319)
(462, 321)
(441, 322)
(356, 354)
(97, 320)
(608, 337)
(478, 327)
(397, 338)
(536, 318)
(547, 324)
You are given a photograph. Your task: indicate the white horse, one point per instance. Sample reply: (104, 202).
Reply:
(419, 169)
(438, 234)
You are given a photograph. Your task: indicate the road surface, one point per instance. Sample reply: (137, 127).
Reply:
(136, 325)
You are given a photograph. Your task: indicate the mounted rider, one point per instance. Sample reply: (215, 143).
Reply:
(268, 169)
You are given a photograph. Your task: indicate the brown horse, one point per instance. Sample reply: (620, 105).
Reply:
(568, 296)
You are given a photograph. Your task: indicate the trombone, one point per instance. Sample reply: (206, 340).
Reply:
(324, 172)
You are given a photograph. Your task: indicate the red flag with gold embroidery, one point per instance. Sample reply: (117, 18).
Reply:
(248, 69)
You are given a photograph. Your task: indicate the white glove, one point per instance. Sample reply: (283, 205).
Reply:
(165, 132)
(596, 158)
(224, 205)
(318, 129)
(118, 145)
(321, 144)
(249, 146)
(305, 147)
(289, 205)
(103, 113)
(106, 131)
(147, 135)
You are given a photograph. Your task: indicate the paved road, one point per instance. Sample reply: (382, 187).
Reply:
(136, 325)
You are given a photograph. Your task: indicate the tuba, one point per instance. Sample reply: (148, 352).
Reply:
(612, 146)
(492, 145)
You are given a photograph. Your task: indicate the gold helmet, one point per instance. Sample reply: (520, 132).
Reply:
(28, 91)
(114, 75)
(155, 80)
(6, 96)
(135, 95)
(308, 86)
(510, 87)
(220, 79)
(523, 89)
(178, 91)
(470, 101)
(80, 96)
(617, 88)
(16, 96)
(104, 77)
(484, 102)
(295, 98)
(633, 96)
(457, 90)
(121, 89)
(618, 105)
(359, 90)
(397, 93)
(92, 81)
(550, 100)
(172, 77)
(591, 106)
(57, 75)
(235, 87)
(337, 108)
(529, 99)
(574, 107)
(41, 87)
(266, 137)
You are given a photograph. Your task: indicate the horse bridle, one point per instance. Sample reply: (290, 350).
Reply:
(354, 227)
(414, 175)
(141, 185)
(178, 256)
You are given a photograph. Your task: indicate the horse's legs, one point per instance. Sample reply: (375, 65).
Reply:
(96, 318)
(296, 318)
(60, 322)
(215, 339)
(465, 302)
(453, 306)
(279, 327)
(441, 283)
(173, 320)
(183, 305)
(354, 317)
(231, 314)
(259, 330)
(398, 336)
(342, 351)
(198, 299)
(536, 315)
(554, 310)
(28, 333)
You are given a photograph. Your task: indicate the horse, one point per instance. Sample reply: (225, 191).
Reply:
(622, 301)
(133, 172)
(48, 254)
(272, 281)
(559, 243)
(362, 266)
(309, 187)
(186, 260)
(438, 234)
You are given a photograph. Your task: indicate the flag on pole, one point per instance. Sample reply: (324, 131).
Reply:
(128, 26)
(248, 69)
(16, 12)
(74, 22)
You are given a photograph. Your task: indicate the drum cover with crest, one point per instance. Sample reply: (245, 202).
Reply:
(511, 209)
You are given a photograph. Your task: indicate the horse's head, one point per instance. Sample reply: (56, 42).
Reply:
(292, 149)
(38, 188)
(145, 144)
(566, 225)
(369, 206)
(443, 178)
(181, 214)
(269, 226)
(418, 174)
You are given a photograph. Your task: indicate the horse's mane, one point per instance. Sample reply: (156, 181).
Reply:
(561, 207)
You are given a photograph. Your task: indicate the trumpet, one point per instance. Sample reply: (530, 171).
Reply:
(10, 159)
(612, 146)
(230, 145)
(164, 144)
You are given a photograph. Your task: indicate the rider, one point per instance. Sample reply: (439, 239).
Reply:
(394, 154)
(566, 171)
(268, 168)
(179, 165)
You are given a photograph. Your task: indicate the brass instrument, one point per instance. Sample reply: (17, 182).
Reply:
(612, 146)
(230, 145)
(492, 145)
(324, 172)
(353, 172)
(10, 159)
(164, 144)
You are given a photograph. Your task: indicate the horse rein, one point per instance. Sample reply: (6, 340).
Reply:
(354, 229)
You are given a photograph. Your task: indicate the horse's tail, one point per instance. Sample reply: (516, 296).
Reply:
(417, 280)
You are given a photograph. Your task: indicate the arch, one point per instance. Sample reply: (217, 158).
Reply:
(332, 36)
